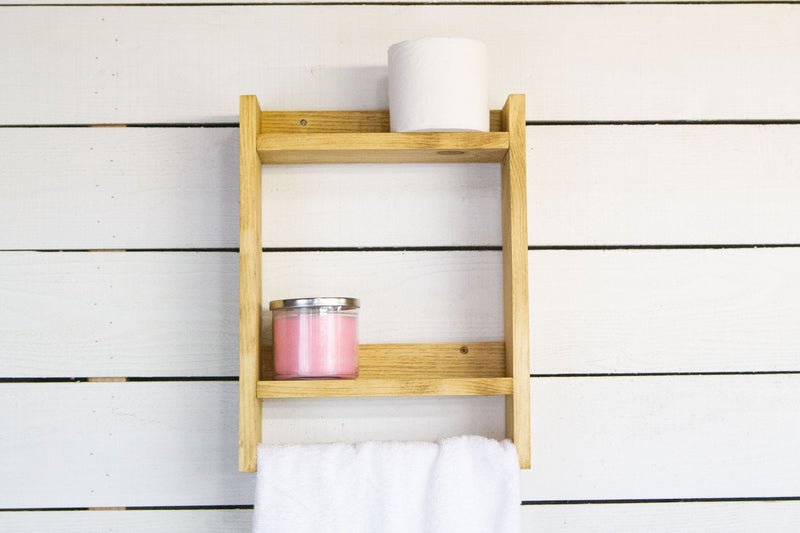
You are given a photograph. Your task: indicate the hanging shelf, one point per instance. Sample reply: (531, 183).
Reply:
(440, 369)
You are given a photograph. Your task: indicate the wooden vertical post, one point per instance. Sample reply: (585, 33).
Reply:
(515, 277)
(249, 282)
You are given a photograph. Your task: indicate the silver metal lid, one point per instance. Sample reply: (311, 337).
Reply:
(295, 303)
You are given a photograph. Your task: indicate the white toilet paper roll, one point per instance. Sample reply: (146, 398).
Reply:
(438, 84)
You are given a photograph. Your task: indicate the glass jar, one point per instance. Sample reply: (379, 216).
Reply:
(315, 338)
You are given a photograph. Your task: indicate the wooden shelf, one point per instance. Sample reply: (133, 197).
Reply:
(438, 369)
(341, 121)
(420, 361)
(443, 369)
(385, 387)
(461, 147)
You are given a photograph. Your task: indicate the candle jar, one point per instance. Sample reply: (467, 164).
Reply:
(315, 338)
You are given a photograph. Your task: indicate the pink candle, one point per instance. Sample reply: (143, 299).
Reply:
(315, 338)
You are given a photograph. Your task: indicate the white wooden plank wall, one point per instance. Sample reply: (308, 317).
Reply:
(642, 62)
(664, 181)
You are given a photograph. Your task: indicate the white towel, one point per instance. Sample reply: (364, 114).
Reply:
(460, 484)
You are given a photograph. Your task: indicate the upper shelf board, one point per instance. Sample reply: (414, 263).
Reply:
(340, 121)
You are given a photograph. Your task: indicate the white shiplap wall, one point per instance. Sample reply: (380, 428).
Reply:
(664, 181)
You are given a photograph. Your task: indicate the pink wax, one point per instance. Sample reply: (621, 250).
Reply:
(315, 342)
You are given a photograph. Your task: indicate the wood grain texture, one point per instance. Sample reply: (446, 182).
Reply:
(644, 62)
(665, 310)
(140, 444)
(614, 185)
(382, 148)
(338, 121)
(516, 321)
(457, 293)
(705, 517)
(588, 185)
(118, 188)
(118, 314)
(664, 437)
(386, 387)
(307, 122)
(427, 418)
(425, 361)
(396, 205)
(117, 444)
(321, 148)
(120, 445)
(135, 521)
(592, 311)
(249, 282)
(174, 443)
(175, 314)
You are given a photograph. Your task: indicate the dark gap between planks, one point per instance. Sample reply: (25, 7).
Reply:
(454, 2)
(663, 500)
(135, 508)
(567, 247)
(698, 122)
(157, 379)
(753, 499)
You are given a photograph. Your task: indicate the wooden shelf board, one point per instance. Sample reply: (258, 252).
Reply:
(385, 387)
(420, 361)
(340, 121)
(451, 147)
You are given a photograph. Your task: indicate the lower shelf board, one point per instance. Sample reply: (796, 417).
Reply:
(385, 387)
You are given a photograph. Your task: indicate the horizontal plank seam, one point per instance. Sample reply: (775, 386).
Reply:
(480, 248)
(664, 500)
(667, 122)
(672, 122)
(115, 250)
(661, 246)
(134, 508)
(452, 2)
(145, 379)
(130, 125)
(134, 379)
(666, 374)
(245, 507)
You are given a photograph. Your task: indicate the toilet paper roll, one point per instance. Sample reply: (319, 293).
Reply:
(438, 84)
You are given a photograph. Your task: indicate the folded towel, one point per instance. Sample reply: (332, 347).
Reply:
(460, 484)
